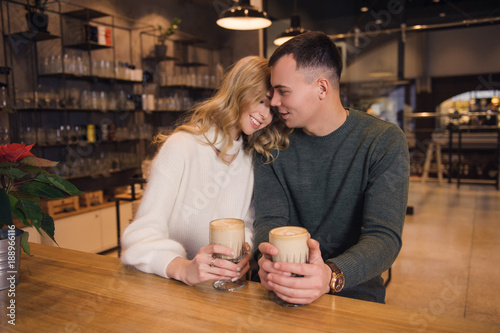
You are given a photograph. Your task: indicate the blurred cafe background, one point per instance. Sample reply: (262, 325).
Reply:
(95, 84)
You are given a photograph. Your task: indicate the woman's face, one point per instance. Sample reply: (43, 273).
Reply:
(257, 116)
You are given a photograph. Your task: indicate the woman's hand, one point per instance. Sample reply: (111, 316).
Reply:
(203, 267)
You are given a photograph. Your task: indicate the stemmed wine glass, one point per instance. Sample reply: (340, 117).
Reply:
(229, 232)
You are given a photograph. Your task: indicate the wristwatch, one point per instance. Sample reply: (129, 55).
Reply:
(338, 280)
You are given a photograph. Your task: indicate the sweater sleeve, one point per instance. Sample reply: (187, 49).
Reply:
(384, 210)
(271, 205)
(145, 242)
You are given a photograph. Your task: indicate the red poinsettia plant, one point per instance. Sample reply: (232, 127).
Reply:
(23, 181)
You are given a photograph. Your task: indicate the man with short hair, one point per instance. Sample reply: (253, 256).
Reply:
(344, 178)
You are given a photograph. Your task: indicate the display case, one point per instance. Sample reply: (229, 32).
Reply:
(467, 130)
(73, 94)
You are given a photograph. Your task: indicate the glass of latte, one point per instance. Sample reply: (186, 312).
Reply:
(291, 243)
(230, 233)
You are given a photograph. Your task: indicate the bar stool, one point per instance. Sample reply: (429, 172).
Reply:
(433, 147)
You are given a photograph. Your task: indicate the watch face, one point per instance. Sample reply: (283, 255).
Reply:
(339, 283)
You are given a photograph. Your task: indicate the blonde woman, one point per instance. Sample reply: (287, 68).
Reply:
(203, 171)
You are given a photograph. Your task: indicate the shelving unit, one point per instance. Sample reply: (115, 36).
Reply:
(53, 72)
(179, 79)
(37, 114)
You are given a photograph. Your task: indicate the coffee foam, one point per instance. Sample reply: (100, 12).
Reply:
(227, 223)
(288, 231)
(291, 243)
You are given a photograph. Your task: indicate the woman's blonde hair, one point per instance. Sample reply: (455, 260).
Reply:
(245, 84)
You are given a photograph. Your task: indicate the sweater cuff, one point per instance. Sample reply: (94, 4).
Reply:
(160, 262)
(346, 267)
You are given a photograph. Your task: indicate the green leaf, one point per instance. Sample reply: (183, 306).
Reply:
(42, 190)
(32, 212)
(13, 207)
(7, 164)
(38, 162)
(60, 183)
(5, 211)
(26, 196)
(20, 215)
(13, 173)
(48, 226)
(24, 243)
(34, 170)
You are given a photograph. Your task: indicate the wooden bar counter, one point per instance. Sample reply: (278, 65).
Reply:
(68, 291)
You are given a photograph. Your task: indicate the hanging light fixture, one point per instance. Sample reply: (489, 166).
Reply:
(294, 30)
(243, 16)
(495, 100)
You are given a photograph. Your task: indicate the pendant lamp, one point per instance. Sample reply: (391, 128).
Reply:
(243, 16)
(294, 30)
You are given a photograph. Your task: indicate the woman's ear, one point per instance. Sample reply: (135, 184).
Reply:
(323, 86)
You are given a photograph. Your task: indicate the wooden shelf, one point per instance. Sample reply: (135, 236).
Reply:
(85, 14)
(181, 86)
(91, 78)
(88, 46)
(158, 59)
(190, 64)
(32, 36)
(60, 109)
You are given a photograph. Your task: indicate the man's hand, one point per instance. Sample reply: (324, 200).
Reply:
(277, 276)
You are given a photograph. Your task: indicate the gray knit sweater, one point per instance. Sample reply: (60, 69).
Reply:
(349, 189)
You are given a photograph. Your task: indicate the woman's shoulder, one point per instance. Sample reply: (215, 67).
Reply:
(183, 139)
(177, 143)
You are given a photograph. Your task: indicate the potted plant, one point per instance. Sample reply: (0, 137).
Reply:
(163, 34)
(36, 18)
(23, 181)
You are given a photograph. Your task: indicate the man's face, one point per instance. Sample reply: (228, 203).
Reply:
(295, 98)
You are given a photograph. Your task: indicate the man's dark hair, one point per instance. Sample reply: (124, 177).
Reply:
(311, 50)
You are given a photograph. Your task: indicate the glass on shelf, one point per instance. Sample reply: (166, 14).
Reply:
(4, 135)
(72, 98)
(102, 102)
(27, 135)
(111, 101)
(40, 136)
(94, 100)
(96, 68)
(51, 136)
(122, 100)
(85, 99)
(4, 101)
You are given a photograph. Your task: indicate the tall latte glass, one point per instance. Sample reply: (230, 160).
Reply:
(291, 243)
(228, 232)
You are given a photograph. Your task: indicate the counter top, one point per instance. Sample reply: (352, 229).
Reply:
(69, 291)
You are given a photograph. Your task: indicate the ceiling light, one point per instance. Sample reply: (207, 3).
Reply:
(243, 16)
(495, 100)
(364, 9)
(294, 30)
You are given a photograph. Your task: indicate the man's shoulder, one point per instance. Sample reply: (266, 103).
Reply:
(374, 124)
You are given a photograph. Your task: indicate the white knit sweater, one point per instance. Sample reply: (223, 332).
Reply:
(188, 187)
